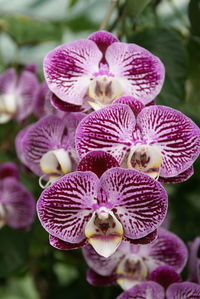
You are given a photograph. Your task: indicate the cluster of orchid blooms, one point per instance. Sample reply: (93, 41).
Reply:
(101, 149)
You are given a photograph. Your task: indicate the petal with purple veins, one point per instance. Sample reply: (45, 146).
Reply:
(139, 72)
(69, 68)
(47, 134)
(146, 290)
(167, 249)
(176, 135)
(184, 290)
(133, 103)
(65, 207)
(61, 245)
(97, 162)
(109, 129)
(182, 177)
(138, 201)
(103, 39)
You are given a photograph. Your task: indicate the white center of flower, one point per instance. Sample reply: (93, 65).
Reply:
(131, 270)
(55, 164)
(103, 90)
(104, 232)
(8, 107)
(145, 158)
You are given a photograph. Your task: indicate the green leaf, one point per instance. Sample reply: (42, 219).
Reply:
(13, 250)
(135, 8)
(25, 30)
(194, 16)
(167, 45)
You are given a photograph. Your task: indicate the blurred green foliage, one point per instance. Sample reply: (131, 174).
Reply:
(29, 267)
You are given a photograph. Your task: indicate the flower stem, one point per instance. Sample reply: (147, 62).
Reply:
(108, 14)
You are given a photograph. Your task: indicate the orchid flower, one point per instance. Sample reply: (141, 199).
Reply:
(47, 146)
(99, 69)
(17, 94)
(132, 264)
(159, 141)
(17, 206)
(152, 290)
(80, 208)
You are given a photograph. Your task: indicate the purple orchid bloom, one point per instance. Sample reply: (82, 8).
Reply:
(47, 146)
(17, 205)
(132, 264)
(99, 69)
(194, 261)
(17, 94)
(161, 141)
(152, 290)
(80, 208)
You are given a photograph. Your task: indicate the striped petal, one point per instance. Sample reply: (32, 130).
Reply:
(109, 129)
(184, 290)
(167, 249)
(47, 134)
(140, 73)
(138, 201)
(146, 290)
(133, 103)
(65, 207)
(61, 245)
(182, 177)
(69, 67)
(176, 135)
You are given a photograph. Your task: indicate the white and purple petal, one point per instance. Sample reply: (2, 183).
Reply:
(65, 207)
(139, 72)
(133, 103)
(177, 136)
(69, 68)
(167, 249)
(183, 290)
(139, 202)
(146, 290)
(109, 129)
